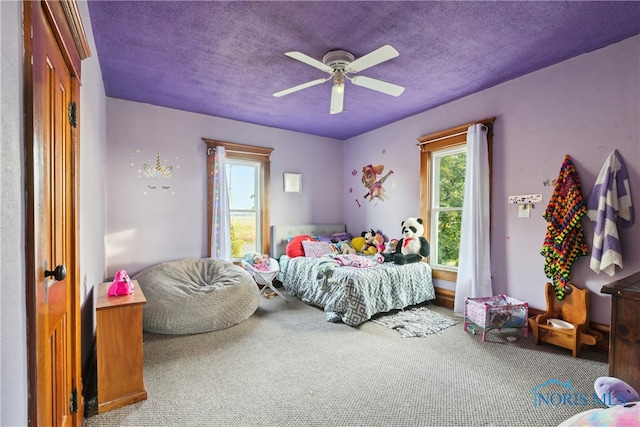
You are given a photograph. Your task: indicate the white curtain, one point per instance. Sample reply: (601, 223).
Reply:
(221, 226)
(474, 261)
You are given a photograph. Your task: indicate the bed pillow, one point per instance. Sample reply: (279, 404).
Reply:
(294, 247)
(315, 249)
(339, 237)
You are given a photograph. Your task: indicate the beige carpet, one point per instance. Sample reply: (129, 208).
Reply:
(287, 366)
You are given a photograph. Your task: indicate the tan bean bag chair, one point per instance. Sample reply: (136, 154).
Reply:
(191, 296)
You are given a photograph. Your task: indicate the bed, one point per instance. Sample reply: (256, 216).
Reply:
(347, 294)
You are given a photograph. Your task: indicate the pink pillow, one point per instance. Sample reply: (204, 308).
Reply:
(294, 247)
(316, 249)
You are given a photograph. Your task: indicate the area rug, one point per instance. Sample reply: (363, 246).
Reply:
(417, 322)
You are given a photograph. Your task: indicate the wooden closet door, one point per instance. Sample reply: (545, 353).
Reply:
(51, 72)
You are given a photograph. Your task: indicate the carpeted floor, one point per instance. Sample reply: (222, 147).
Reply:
(287, 366)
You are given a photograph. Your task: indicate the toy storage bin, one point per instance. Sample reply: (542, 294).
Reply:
(496, 312)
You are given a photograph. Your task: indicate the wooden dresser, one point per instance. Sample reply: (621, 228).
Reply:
(624, 342)
(119, 348)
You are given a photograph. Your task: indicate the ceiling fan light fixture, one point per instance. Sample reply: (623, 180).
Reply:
(338, 80)
(338, 59)
(339, 64)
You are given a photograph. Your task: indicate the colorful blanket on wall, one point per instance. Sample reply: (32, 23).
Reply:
(609, 200)
(564, 241)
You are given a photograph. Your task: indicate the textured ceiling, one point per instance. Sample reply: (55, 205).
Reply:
(226, 58)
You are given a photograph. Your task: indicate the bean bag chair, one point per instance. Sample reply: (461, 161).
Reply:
(191, 296)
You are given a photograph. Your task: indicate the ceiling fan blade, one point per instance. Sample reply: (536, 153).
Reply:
(376, 57)
(379, 85)
(300, 87)
(337, 99)
(310, 61)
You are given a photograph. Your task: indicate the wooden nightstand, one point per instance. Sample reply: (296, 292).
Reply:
(624, 338)
(119, 348)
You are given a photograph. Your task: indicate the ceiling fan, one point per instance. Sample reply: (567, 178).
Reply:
(339, 64)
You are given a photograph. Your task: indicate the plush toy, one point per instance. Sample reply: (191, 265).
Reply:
(345, 247)
(259, 262)
(613, 391)
(390, 246)
(368, 243)
(413, 246)
(369, 247)
(368, 235)
(358, 243)
(378, 242)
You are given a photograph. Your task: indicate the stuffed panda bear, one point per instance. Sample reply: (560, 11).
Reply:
(413, 246)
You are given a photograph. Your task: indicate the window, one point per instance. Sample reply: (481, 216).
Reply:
(245, 204)
(248, 180)
(442, 171)
(447, 188)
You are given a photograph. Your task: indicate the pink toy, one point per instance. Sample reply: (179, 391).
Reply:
(121, 284)
(261, 262)
(496, 312)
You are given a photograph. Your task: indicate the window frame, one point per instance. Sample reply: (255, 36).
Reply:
(428, 144)
(235, 151)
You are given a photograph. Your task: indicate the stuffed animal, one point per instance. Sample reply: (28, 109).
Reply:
(345, 247)
(390, 246)
(413, 246)
(358, 243)
(613, 391)
(368, 235)
(258, 261)
(368, 243)
(378, 242)
(369, 247)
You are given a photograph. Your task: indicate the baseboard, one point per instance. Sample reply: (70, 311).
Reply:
(445, 297)
(90, 382)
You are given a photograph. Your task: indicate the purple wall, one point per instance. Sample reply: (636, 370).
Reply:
(146, 226)
(585, 107)
(93, 183)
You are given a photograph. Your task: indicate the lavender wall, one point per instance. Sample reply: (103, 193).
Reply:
(93, 183)
(13, 317)
(585, 107)
(146, 226)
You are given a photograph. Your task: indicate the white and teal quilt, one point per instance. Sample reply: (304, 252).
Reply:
(351, 294)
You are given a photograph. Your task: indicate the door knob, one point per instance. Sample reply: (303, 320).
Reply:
(58, 273)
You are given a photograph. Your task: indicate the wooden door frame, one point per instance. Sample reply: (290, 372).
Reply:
(64, 19)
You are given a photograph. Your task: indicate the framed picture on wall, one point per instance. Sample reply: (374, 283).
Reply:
(292, 182)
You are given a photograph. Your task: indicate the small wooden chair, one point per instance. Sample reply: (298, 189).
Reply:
(574, 309)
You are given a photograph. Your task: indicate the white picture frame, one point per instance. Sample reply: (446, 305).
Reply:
(292, 182)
